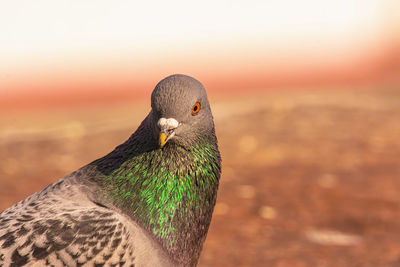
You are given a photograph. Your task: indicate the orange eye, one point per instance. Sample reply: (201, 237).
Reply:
(196, 108)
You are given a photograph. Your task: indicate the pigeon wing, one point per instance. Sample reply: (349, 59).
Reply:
(51, 230)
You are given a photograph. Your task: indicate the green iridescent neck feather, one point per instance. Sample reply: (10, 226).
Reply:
(173, 186)
(171, 191)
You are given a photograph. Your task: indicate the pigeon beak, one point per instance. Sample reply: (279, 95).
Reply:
(164, 137)
(167, 130)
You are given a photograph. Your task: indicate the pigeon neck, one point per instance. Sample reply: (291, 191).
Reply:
(171, 192)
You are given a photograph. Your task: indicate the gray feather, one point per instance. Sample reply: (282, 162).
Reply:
(97, 216)
(61, 226)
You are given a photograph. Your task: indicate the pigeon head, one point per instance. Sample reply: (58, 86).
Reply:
(181, 112)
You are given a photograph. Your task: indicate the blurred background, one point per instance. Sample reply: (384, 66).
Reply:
(305, 95)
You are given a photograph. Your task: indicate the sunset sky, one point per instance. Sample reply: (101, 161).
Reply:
(67, 45)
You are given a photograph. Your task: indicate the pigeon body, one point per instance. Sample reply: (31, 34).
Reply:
(147, 203)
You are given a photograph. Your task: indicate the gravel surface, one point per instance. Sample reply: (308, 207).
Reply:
(309, 178)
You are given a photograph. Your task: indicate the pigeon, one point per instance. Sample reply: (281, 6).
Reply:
(149, 202)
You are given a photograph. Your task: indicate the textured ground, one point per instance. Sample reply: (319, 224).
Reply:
(309, 179)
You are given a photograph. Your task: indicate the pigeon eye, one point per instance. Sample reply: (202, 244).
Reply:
(196, 108)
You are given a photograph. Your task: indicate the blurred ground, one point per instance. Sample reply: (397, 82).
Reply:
(309, 179)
